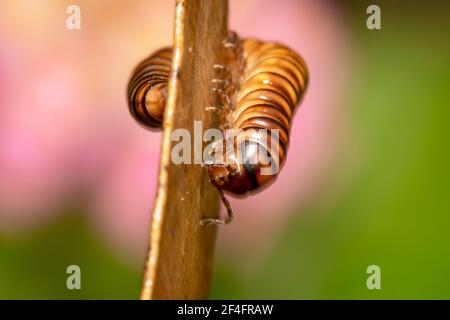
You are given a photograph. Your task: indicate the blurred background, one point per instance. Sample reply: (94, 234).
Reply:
(366, 181)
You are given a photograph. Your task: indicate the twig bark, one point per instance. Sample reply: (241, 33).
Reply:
(180, 259)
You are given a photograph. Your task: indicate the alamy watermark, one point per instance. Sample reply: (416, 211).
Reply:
(374, 280)
(227, 147)
(73, 281)
(73, 22)
(374, 20)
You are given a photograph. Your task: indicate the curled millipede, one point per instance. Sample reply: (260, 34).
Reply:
(272, 80)
(147, 89)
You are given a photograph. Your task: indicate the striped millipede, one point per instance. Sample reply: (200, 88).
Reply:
(272, 80)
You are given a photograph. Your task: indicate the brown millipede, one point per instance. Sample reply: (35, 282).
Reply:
(272, 81)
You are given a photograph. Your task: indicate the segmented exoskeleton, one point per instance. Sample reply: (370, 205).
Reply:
(147, 89)
(272, 81)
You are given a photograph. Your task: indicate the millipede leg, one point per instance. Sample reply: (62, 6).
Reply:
(223, 96)
(234, 43)
(209, 221)
(232, 40)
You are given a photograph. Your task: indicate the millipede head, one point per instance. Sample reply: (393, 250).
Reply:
(244, 171)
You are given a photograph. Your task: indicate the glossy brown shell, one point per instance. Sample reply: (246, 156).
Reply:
(273, 82)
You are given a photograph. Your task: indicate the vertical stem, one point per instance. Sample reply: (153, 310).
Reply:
(180, 259)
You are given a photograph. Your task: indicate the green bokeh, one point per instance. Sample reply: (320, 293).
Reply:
(35, 267)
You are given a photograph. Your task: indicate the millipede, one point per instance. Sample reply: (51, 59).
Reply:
(271, 83)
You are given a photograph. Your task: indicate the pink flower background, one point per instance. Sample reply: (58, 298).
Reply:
(67, 140)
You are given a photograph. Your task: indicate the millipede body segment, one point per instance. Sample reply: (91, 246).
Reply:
(272, 82)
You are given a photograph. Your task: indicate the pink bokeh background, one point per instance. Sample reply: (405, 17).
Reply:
(67, 140)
